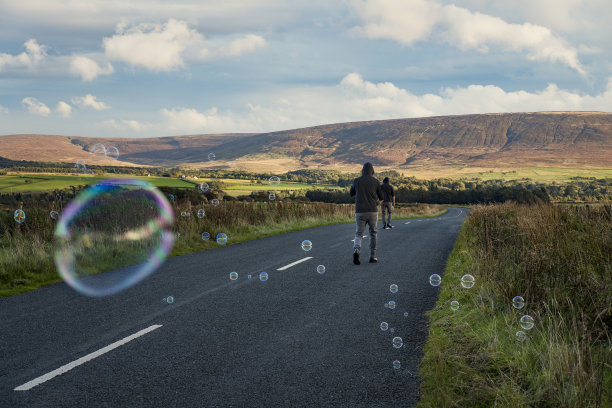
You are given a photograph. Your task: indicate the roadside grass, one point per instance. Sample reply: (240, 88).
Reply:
(542, 174)
(26, 250)
(559, 258)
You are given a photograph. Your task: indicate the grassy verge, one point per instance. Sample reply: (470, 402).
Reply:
(560, 260)
(26, 251)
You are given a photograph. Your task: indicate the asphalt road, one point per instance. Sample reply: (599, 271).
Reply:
(298, 339)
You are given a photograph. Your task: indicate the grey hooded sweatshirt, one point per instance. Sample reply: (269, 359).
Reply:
(366, 190)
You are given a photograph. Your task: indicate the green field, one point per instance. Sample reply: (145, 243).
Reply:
(237, 187)
(542, 174)
(47, 182)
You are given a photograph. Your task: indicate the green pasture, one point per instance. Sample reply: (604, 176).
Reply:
(22, 183)
(237, 187)
(542, 174)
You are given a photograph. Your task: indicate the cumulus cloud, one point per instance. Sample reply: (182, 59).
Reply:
(90, 101)
(35, 107)
(31, 57)
(248, 43)
(63, 109)
(412, 21)
(88, 69)
(157, 47)
(3, 109)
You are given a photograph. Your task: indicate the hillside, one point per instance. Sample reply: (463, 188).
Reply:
(483, 141)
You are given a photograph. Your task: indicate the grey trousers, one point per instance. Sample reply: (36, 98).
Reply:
(387, 205)
(361, 219)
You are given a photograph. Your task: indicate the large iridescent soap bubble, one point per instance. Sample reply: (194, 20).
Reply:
(113, 235)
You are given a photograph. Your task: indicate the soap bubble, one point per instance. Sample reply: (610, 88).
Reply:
(201, 213)
(272, 196)
(204, 187)
(221, 238)
(393, 288)
(183, 213)
(212, 156)
(521, 335)
(467, 281)
(454, 305)
(112, 235)
(214, 202)
(112, 152)
(274, 181)
(392, 330)
(397, 342)
(405, 314)
(263, 276)
(435, 280)
(384, 326)
(171, 197)
(170, 300)
(397, 365)
(54, 214)
(392, 304)
(518, 302)
(306, 245)
(97, 152)
(205, 236)
(321, 269)
(527, 322)
(20, 216)
(233, 275)
(249, 276)
(80, 166)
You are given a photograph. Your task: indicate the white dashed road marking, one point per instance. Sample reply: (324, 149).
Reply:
(294, 263)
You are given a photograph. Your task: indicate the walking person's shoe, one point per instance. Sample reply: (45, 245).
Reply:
(373, 260)
(384, 226)
(389, 226)
(356, 258)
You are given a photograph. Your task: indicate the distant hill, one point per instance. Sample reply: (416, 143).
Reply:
(507, 140)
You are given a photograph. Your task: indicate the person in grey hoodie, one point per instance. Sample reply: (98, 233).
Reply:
(368, 196)
(388, 202)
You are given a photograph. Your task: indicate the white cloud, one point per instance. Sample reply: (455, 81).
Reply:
(248, 43)
(356, 99)
(63, 109)
(157, 47)
(90, 101)
(411, 21)
(126, 124)
(88, 69)
(35, 107)
(31, 57)
(3, 109)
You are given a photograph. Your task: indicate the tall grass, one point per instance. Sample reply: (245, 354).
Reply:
(26, 250)
(560, 260)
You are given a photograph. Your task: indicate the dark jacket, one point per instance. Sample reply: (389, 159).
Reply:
(366, 190)
(387, 192)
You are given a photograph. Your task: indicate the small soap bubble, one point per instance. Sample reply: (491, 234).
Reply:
(221, 238)
(201, 213)
(214, 202)
(518, 302)
(19, 216)
(405, 314)
(212, 156)
(204, 187)
(527, 322)
(384, 326)
(233, 275)
(80, 166)
(171, 197)
(272, 196)
(321, 269)
(205, 236)
(393, 288)
(392, 304)
(183, 213)
(274, 181)
(435, 280)
(397, 342)
(170, 300)
(249, 276)
(397, 365)
(521, 335)
(97, 152)
(392, 330)
(112, 152)
(306, 245)
(467, 281)
(263, 276)
(54, 214)
(454, 305)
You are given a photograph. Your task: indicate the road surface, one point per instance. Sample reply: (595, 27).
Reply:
(298, 339)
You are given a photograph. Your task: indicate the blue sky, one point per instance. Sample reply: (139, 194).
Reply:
(153, 68)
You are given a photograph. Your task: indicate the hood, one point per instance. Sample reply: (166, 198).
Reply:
(386, 180)
(368, 169)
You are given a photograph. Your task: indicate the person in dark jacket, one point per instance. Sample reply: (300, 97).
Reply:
(368, 197)
(388, 202)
